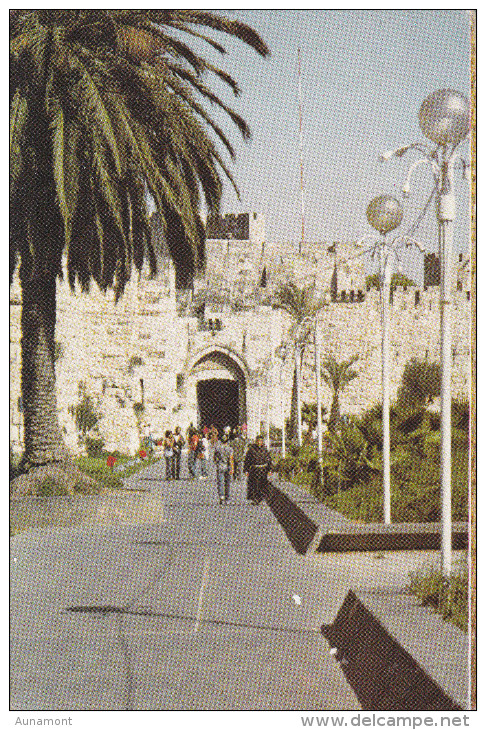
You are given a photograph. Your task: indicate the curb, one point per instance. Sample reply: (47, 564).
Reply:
(305, 535)
(396, 655)
(299, 528)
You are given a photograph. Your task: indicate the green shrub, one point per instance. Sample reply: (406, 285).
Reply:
(84, 413)
(300, 465)
(14, 461)
(460, 414)
(96, 468)
(420, 383)
(363, 503)
(94, 447)
(138, 409)
(415, 490)
(448, 596)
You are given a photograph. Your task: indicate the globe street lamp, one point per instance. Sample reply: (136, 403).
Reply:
(385, 213)
(444, 118)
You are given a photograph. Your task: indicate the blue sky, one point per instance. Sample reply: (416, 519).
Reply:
(365, 74)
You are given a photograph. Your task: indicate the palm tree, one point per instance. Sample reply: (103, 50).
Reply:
(302, 304)
(106, 107)
(337, 375)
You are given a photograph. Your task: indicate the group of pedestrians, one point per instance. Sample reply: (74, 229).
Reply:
(225, 456)
(233, 459)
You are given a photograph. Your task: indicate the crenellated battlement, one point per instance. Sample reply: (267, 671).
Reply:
(131, 357)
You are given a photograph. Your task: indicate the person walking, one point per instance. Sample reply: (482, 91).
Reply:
(239, 448)
(147, 438)
(213, 435)
(179, 442)
(203, 455)
(192, 453)
(223, 458)
(257, 467)
(169, 455)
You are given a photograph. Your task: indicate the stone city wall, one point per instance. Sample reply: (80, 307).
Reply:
(144, 351)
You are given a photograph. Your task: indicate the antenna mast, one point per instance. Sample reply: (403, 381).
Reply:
(301, 244)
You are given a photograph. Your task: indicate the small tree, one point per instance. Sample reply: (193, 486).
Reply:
(420, 384)
(302, 304)
(84, 413)
(309, 414)
(337, 375)
(138, 409)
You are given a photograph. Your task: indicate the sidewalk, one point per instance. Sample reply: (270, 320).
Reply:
(204, 608)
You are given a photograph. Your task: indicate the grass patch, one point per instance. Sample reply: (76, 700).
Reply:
(96, 467)
(447, 596)
(352, 476)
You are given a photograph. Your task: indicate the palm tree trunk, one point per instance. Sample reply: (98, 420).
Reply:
(293, 408)
(296, 401)
(335, 413)
(43, 439)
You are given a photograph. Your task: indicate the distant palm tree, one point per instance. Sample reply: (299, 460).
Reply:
(106, 106)
(337, 375)
(302, 304)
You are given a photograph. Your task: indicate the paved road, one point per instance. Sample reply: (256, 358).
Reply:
(186, 606)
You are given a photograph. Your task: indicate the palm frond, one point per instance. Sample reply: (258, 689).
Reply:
(18, 121)
(190, 31)
(214, 99)
(211, 20)
(96, 107)
(105, 106)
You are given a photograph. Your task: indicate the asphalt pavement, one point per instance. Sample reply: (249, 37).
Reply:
(187, 605)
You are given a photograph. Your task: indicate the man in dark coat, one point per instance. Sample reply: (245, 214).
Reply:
(257, 466)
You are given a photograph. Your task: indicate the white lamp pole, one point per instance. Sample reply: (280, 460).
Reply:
(269, 376)
(385, 213)
(282, 410)
(385, 281)
(444, 118)
(281, 352)
(259, 409)
(298, 349)
(319, 400)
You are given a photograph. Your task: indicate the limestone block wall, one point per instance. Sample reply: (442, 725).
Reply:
(139, 351)
(252, 338)
(348, 329)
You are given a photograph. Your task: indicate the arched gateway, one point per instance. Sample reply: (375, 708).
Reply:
(217, 380)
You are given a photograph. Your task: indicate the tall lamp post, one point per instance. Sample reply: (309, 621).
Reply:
(444, 118)
(385, 213)
(317, 363)
(298, 395)
(282, 352)
(318, 402)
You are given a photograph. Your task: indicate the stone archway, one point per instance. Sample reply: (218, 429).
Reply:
(217, 382)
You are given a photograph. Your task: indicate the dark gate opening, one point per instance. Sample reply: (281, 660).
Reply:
(217, 402)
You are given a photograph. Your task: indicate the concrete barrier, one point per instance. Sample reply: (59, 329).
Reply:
(329, 532)
(298, 527)
(376, 537)
(399, 655)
